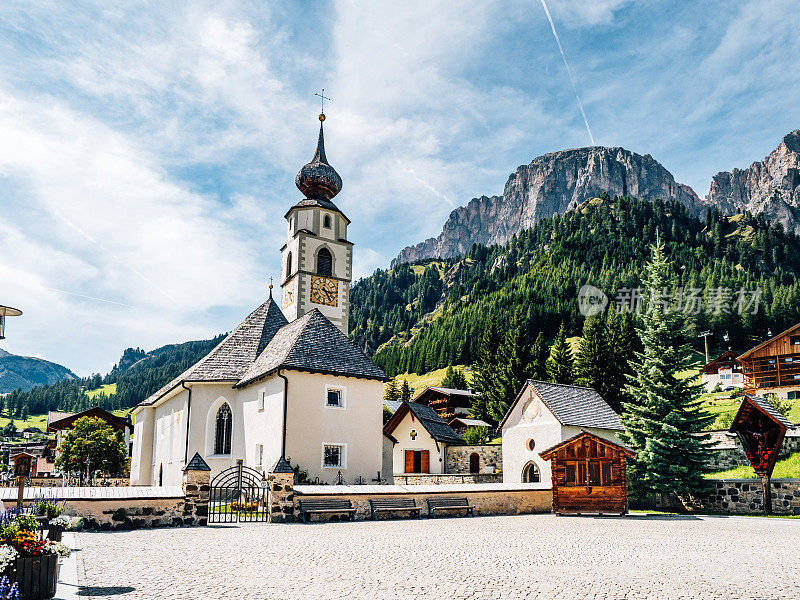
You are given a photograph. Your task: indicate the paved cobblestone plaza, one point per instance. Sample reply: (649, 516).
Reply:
(536, 556)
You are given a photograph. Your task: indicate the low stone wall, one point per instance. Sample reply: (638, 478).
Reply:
(729, 452)
(126, 513)
(457, 458)
(488, 498)
(446, 478)
(746, 497)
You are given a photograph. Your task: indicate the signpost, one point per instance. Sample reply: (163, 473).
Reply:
(22, 470)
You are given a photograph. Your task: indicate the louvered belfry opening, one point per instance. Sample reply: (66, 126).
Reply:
(324, 262)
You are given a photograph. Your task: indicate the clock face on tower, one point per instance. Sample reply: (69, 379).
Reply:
(288, 293)
(324, 291)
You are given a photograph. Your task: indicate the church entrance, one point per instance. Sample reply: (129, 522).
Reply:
(238, 495)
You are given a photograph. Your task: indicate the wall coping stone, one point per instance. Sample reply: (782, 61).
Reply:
(442, 488)
(95, 493)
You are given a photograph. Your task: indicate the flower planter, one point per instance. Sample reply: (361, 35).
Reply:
(54, 533)
(36, 576)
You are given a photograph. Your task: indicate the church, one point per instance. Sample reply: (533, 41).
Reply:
(287, 382)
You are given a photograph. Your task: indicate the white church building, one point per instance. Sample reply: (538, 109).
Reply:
(285, 383)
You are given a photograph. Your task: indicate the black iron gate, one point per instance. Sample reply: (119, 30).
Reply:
(238, 494)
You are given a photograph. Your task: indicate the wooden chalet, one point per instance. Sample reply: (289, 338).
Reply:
(448, 402)
(588, 475)
(724, 370)
(774, 366)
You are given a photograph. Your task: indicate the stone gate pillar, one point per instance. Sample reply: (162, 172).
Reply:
(280, 482)
(196, 490)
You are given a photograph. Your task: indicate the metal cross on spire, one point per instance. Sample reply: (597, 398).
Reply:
(322, 98)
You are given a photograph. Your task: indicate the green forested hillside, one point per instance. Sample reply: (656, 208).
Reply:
(426, 316)
(137, 375)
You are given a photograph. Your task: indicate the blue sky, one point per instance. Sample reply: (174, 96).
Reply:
(148, 153)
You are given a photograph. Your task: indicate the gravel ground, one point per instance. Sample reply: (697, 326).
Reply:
(531, 556)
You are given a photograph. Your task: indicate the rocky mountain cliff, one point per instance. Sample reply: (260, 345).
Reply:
(770, 186)
(557, 182)
(26, 372)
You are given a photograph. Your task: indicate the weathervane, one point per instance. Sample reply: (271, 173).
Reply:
(322, 98)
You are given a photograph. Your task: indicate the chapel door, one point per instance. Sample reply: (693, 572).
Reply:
(425, 462)
(409, 461)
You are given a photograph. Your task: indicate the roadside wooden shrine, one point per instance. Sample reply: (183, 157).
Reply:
(588, 475)
(761, 430)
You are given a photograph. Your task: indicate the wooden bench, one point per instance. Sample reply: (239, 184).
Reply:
(408, 505)
(439, 504)
(325, 506)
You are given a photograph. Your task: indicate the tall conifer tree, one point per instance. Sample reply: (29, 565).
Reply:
(539, 358)
(664, 418)
(560, 364)
(485, 375)
(591, 366)
(514, 368)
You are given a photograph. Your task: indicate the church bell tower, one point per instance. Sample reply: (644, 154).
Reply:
(317, 259)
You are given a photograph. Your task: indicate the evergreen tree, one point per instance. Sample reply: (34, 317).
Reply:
(622, 344)
(391, 391)
(560, 364)
(454, 379)
(539, 358)
(25, 412)
(485, 374)
(591, 365)
(664, 414)
(405, 391)
(514, 358)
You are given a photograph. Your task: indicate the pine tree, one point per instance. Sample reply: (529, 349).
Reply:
(514, 366)
(391, 392)
(591, 365)
(622, 344)
(539, 358)
(405, 391)
(485, 374)
(664, 419)
(454, 379)
(560, 364)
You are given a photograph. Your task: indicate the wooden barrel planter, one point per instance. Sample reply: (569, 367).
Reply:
(36, 576)
(54, 533)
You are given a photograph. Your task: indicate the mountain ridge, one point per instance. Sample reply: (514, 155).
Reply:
(27, 372)
(557, 182)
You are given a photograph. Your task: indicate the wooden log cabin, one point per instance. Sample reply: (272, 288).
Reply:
(773, 367)
(447, 402)
(588, 475)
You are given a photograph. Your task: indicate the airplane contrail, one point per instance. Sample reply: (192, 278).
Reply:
(91, 297)
(569, 73)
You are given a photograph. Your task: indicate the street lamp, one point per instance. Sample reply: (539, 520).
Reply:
(7, 311)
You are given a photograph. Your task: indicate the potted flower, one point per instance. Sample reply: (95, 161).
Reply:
(56, 527)
(47, 510)
(28, 560)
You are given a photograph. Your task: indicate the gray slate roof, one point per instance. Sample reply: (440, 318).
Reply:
(235, 354)
(265, 342)
(312, 343)
(770, 410)
(197, 464)
(574, 405)
(434, 424)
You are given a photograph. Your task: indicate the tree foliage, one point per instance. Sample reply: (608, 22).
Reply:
(664, 417)
(93, 439)
(561, 363)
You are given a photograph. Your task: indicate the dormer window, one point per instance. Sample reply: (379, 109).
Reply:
(326, 221)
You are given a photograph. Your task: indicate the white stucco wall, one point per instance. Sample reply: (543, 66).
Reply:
(423, 441)
(532, 420)
(358, 426)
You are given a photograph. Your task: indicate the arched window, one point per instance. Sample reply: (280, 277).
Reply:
(324, 262)
(222, 438)
(474, 462)
(530, 473)
(326, 221)
(289, 264)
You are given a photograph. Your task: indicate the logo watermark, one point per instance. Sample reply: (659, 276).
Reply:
(687, 300)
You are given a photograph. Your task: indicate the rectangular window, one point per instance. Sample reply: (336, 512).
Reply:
(259, 455)
(792, 396)
(794, 340)
(606, 473)
(262, 397)
(570, 473)
(581, 473)
(333, 456)
(594, 473)
(334, 398)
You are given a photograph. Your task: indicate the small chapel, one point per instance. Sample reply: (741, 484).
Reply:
(287, 383)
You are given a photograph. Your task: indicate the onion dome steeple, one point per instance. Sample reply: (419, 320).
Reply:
(318, 180)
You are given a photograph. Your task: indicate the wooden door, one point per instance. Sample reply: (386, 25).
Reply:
(409, 461)
(425, 462)
(474, 462)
